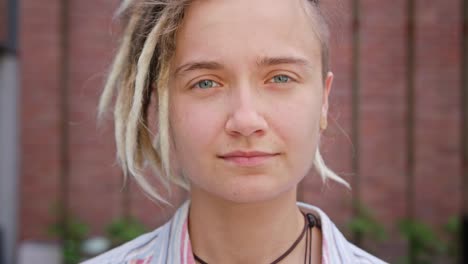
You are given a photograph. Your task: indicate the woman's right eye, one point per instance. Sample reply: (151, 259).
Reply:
(205, 84)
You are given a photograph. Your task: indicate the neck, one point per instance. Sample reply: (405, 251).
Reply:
(226, 232)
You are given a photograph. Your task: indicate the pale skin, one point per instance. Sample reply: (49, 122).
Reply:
(247, 78)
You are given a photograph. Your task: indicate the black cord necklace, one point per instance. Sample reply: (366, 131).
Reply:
(309, 222)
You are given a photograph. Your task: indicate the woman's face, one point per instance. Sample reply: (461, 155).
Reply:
(246, 97)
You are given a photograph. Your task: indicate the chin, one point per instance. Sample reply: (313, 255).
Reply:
(255, 191)
(252, 187)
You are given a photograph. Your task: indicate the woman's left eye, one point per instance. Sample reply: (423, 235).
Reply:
(280, 79)
(205, 84)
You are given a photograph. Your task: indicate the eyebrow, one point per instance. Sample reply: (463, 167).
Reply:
(272, 61)
(261, 62)
(198, 65)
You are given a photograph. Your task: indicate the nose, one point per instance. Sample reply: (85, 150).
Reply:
(244, 118)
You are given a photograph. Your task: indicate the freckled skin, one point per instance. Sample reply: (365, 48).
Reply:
(244, 105)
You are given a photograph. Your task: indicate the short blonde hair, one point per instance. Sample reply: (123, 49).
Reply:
(142, 65)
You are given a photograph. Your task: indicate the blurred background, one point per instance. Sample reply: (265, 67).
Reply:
(398, 132)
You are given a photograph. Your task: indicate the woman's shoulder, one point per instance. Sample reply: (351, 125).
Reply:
(335, 247)
(141, 249)
(155, 245)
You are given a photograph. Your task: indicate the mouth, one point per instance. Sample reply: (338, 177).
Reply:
(248, 158)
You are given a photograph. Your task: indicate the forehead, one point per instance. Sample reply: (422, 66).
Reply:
(246, 29)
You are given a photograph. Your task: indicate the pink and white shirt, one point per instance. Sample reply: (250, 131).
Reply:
(170, 243)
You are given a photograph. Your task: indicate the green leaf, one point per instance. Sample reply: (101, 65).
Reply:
(122, 230)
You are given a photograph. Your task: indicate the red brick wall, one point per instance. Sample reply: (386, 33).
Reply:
(438, 107)
(95, 180)
(3, 20)
(39, 108)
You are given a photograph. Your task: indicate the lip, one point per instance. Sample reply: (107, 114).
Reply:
(248, 158)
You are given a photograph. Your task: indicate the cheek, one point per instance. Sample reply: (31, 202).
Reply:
(297, 124)
(299, 120)
(193, 126)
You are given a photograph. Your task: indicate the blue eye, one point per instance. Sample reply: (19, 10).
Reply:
(280, 79)
(205, 84)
